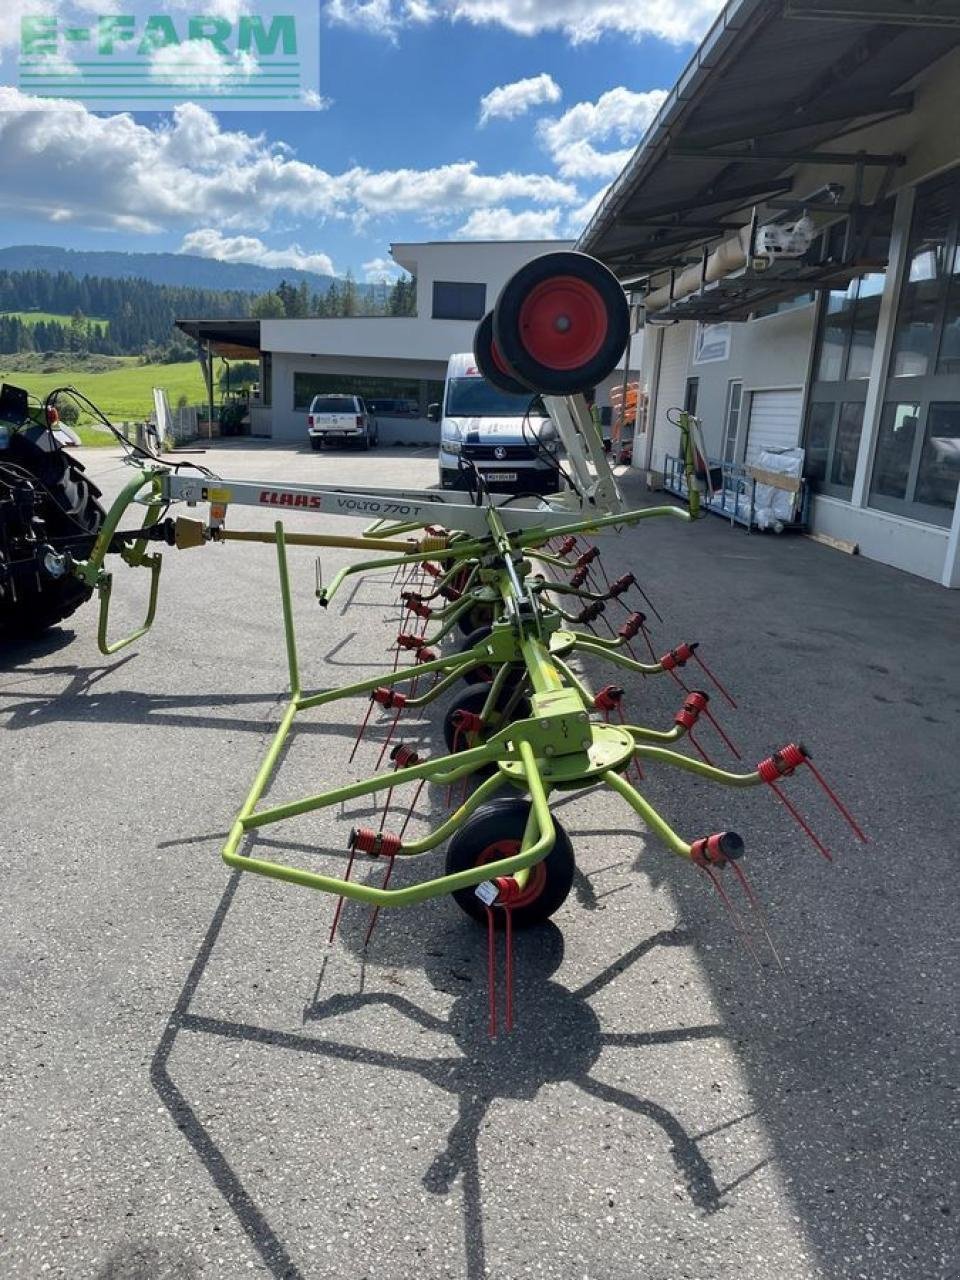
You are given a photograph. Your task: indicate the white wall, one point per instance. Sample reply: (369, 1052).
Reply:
(291, 425)
(489, 262)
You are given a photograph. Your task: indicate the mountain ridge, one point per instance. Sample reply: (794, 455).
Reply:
(179, 269)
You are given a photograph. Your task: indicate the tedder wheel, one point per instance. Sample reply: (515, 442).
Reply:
(495, 831)
(491, 363)
(484, 675)
(473, 700)
(561, 323)
(481, 615)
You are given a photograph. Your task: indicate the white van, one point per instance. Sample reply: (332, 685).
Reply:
(508, 439)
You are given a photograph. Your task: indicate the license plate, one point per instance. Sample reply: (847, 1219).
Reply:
(500, 475)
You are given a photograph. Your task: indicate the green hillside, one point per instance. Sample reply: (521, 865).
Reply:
(50, 317)
(124, 392)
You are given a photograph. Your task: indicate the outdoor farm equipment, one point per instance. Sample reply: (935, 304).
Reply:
(518, 584)
(48, 509)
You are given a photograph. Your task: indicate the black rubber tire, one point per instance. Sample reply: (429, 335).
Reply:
(316, 445)
(505, 820)
(69, 507)
(508, 329)
(481, 615)
(484, 675)
(473, 699)
(486, 353)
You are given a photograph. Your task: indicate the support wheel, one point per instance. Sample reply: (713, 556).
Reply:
(480, 616)
(484, 674)
(495, 831)
(561, 323)
(491, 363)
(473, 700)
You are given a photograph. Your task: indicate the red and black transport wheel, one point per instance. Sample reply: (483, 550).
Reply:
(494, 832)
(491, 363)
(561, 323)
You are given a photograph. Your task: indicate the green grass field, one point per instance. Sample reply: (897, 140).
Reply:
(46, 317)
(124, 393)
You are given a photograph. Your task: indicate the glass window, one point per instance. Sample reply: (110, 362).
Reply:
(475, 397)
(454, 300)
(940, 459)
(847, 446)
(891, 466)
(734, 401)
(833, 339)
(387, 397)
(849, 329)
(817, 446)
(785, 304)
(914, 348)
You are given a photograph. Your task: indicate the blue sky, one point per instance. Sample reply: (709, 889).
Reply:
(398, 151)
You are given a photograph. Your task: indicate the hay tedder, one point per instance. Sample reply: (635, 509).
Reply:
(515, 580)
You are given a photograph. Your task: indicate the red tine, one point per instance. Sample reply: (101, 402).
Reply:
(376, 910)
(363, 725)
(491, 973)
(734, 914)
(716, 725)
(508, 967)
(653, 608)
(386, 741)
(694, 743)
(800, 820)
(413, 805)
(757, 910)
(838, 803)
(336, 914)
(709, 673)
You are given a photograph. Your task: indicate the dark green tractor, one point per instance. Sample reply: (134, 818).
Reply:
(49, 514)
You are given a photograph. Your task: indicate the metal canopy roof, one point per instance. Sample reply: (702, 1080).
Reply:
(229, 338)
(773, 81)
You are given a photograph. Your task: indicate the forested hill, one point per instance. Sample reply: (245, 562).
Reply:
(181, 269)
(58, 311)
(137, 313)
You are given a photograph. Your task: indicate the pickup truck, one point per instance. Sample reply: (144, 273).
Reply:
(341, 417)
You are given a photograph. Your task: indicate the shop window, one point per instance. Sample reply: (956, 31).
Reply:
(454, 300)
(939, 469)
(920, 318)
(386, 397)
(832, 445)
(892, 463)
(849, 330)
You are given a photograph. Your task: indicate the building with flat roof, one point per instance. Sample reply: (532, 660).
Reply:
(840, 113)
(397, 363)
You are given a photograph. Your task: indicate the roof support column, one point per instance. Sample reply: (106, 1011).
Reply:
(883, 343)
(652, 396)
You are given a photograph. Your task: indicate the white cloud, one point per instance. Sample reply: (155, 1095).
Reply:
(196, 64)
(679, 21)
(382, 271)
(190, 170)
(507, 101)
(209, 243)
(502, 224)
(618, 114)
(578, 218)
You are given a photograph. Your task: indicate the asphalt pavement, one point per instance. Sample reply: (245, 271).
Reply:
(194, 1084)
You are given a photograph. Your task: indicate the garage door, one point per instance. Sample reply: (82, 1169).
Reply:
(674, 366)
(774, 421)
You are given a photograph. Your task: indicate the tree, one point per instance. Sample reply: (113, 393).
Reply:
(403, 297)
(348, 296)
(269, 306)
